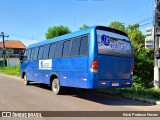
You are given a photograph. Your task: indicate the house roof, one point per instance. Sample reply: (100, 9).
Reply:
(13, 44)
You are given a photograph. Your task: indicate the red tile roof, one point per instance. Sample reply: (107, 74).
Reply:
(13, 44)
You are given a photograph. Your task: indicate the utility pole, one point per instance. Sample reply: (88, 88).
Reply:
(4, 49)
(157, 50)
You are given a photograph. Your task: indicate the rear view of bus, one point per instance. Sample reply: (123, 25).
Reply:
(114, 64)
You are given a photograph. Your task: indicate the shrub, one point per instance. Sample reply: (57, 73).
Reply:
(13, 70)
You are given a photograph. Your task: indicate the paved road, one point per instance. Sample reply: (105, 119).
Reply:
(14, 96)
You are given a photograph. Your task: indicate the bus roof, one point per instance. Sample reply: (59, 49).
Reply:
(73, 34)
(63, 37)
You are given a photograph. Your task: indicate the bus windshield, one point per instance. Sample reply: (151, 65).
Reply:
(110, 43)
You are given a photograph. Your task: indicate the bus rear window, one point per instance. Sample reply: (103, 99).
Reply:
(113, 44)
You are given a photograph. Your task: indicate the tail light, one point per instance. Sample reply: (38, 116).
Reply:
(132, 69)
(94, 67)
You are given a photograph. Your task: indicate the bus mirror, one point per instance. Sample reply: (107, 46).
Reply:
(21, 57)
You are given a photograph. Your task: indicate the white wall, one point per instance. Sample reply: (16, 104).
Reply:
(13, 61)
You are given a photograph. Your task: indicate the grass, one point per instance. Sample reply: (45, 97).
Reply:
(151, 93)
(13, 70)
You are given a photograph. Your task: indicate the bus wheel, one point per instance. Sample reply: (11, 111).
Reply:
(56, 86)
(26, 82)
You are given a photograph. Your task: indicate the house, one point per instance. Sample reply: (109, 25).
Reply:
(13, 48)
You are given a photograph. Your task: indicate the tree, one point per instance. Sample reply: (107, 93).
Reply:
(84, 27)
(57, 31)
(117, 25)
(136, 36)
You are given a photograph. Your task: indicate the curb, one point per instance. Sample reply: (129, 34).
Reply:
(9, 75)
(153, 102)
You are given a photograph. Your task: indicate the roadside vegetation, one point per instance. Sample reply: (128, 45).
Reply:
(11, 70)
(150, 93)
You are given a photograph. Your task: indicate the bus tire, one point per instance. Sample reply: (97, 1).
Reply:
(26, 82)
(56, 88)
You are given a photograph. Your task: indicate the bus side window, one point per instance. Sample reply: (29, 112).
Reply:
(25, 55)
(40, 55)
(66, 48)
(29, 54)
(52, 51)
(32, 53)
(46, 51)
(84, 46)
(36, 53)
(75, 46)
(59, 47)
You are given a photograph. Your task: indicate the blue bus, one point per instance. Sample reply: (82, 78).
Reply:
(96, 57)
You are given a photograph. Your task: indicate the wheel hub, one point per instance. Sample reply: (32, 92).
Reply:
(55, 86)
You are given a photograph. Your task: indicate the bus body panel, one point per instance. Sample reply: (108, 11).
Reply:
(75, 71)
(109, 83)
(107, 67)
(75, 64)
(72, 72)
(124, 66)
(74, 79)
(112, 67)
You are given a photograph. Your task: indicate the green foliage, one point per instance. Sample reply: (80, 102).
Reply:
(13, 70)
(84, 27)
(144, 93)
(143, 72)
(136, 36)
(1, 63)
(57, 31)
(117, 25)
(151, 93)
(143, 59)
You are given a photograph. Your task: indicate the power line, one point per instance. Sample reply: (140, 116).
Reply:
(25, 40)
(144, 25)
(144, 20)
(25, 37)
(140, 16)
(148, 2)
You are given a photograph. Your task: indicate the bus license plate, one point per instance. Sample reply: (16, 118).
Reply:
(115, 84)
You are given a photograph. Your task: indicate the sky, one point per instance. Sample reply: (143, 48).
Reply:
(29, 20)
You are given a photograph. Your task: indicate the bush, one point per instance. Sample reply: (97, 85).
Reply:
(143, 72)
(14, 70)
(151, 93)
